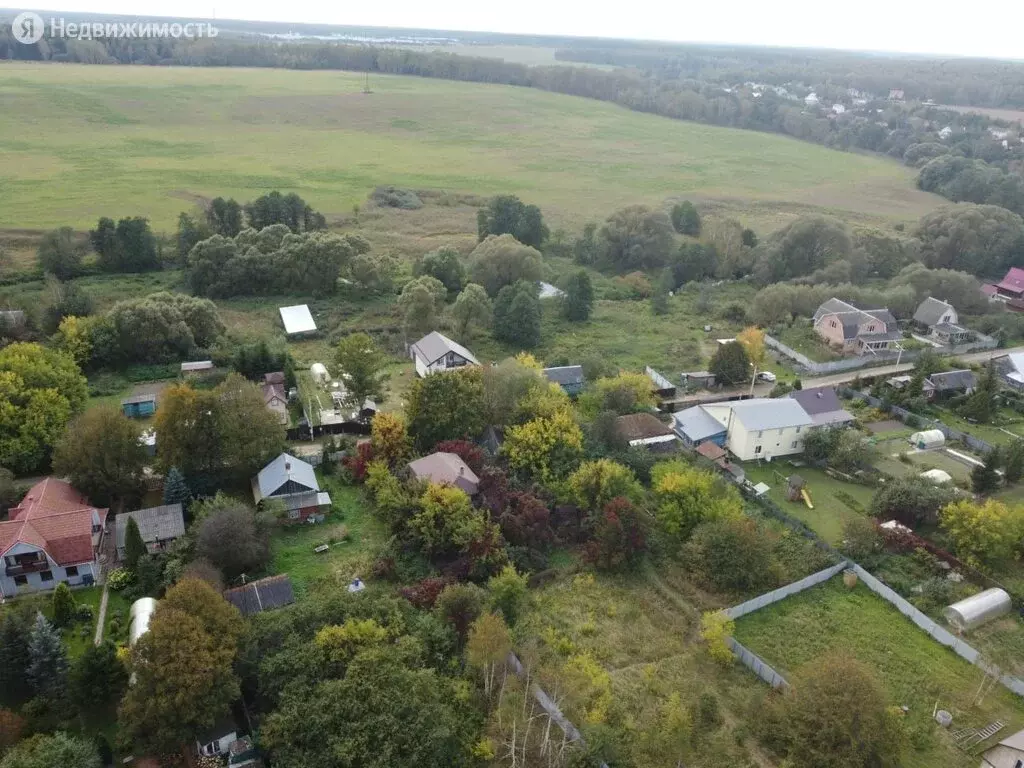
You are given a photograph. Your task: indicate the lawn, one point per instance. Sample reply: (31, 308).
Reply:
(915, 671)
(801, 337)
(293, 546)
(919, 461)
(835, 501)
(80, 142)
(644, 634)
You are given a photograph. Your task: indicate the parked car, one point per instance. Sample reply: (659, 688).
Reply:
(766, 376)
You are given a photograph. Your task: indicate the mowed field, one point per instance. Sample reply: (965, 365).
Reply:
(79, 142)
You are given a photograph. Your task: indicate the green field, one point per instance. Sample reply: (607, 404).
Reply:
(915, 670)
(81, 142)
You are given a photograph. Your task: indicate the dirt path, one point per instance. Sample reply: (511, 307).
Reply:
(101, 617)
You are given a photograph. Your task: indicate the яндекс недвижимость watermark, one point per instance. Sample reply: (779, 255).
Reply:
(28, 28)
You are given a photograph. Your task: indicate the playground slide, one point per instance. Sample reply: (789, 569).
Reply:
(807, 498)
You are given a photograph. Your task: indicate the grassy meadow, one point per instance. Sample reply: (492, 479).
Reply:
(81, 142)
(914, 670)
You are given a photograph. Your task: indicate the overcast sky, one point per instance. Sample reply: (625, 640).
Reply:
(994, 28)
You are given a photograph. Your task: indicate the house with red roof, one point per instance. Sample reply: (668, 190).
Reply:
(1011, 286)
(53, 535)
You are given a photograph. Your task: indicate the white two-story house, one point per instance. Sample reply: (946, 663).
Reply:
(52, 536)
(435, 352)
(762, 428)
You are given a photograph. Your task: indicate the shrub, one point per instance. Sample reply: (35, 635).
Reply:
(83, 612)
(119, 578)
(396, 197)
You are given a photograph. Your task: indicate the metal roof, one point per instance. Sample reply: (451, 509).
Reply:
(155, 523)
(946, 380)
(764, 413)
(139, 399)
(297, 319)
(696, 424)
(262, 595)
(443, 467)
(549, 291)
(282, 469)
(434, 346)
(565, 374)
(931, 310)
(822, 405)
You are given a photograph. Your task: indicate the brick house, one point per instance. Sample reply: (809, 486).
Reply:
(857, 331)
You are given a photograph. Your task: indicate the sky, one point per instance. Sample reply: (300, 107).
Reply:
(991, 29)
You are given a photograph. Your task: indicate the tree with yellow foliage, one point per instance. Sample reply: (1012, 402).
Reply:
(686, 496)
(752, 341)
(447, 520)
(625, 393)
(988, 532)
(544, 448)
(595, 483)
(390, 438)
(74, 338)
(715, 629)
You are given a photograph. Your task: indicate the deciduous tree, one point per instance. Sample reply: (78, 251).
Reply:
(730, 363)
(686, 497)
(544, 448)
(579, 297)
(60, 253)
(517, 315)
(983, 532)
(390, 438)
(685, 219)
(364, 366)
(617, 539)
(597, 482)
(507, 214)
(232, 537)
(733, 555)
(447, 407)
(472, 309)
(912, 500)
(50, 750)
(444, 264)
(636, 238)
(501, 260)
(507, 593)
(100, 452)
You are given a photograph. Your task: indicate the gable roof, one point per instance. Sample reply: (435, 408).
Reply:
(764, 413)
(931, 310)
(565, 375)
(697, 424)
(641, 426)
(275, 377)
(271, 391)
(281, 471)
(852, 318)
(443, 467)
(155, 523)
(56, 518)
(1013, 282)
(151, 398)
(822, 404)
(434, 346)
(962, 379)
(262, 595)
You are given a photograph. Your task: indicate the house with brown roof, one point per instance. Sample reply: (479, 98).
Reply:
(858, 331)
(52, 536)
(274, 395)
(446, 469)
(644, 429)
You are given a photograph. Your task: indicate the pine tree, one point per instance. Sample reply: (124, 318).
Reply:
(1014, 468)
(659, 299)
(63, 605)
(289, 371)
(134, 546)
(14, 658)
(48, 659)
(176, 490)
(984, 478)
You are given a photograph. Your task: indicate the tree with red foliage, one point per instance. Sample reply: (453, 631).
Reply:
(617, 539)
(471, 453)
(526, 521)
(493, 491)
(357, 463)
(423, 594)
(12, 726)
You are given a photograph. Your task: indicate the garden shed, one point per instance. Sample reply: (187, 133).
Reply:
(978, 609)
(928, 438)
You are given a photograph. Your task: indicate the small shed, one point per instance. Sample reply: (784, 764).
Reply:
(320, 374)
(978, 609)
(928, 438)
(937, 476)
(139, 406)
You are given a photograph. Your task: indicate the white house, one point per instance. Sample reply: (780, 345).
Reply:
(52, 536)
(762, 428)
(436, 352)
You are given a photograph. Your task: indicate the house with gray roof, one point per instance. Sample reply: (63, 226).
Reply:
(446, 469)
(948, 383)
(1011, 369)
(857, 331)
(941, 320)
(435, 352)
(293, 483)
(568, 377)
(758, 428)
(822, 404)
(159, 527)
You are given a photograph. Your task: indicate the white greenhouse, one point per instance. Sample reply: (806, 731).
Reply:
(978, 609)
(937, 476)
(929, 438)
(320, 374)
(139, 616)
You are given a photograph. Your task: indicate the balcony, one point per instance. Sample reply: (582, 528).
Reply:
(25, 567)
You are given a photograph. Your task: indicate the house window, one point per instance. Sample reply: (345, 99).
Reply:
(20, 581)
(795, 445)
(871, 328)
(757, 449)
(759, 434)
(798, 430)
(293, 514)
(71, 570)
(46, 576)
(833, 323)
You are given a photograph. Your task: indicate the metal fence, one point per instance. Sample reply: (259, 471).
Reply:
(763, 670)
(756, 603)
(974, 443)
(756, 664)
(866, 361)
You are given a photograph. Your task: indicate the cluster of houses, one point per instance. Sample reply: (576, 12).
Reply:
(856, 331)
